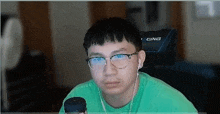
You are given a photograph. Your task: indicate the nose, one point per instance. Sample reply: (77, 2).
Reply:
(109, 68)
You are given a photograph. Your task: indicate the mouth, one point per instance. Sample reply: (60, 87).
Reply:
(111, 84)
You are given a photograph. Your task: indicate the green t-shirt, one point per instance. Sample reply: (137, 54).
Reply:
(153, 95)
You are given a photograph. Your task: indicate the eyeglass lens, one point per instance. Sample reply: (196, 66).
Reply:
(118, 61)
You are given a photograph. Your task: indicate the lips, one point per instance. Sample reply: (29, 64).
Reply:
(111, 84)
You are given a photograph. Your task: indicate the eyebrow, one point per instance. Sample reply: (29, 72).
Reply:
(119, 50)
(100, 54)
(95, 54)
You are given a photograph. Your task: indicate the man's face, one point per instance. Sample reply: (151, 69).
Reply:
(112, 80)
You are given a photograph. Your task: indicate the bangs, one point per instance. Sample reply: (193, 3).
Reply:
(100, 39)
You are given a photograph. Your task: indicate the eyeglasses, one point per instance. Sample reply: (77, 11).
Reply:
(119, 60)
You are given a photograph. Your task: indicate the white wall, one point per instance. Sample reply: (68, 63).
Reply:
(10, 7)
(140, 17)
(69, 23)
(202, 37)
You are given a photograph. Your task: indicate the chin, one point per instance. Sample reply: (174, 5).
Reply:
(113, 91)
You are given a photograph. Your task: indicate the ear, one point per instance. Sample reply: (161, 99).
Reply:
(141, 57)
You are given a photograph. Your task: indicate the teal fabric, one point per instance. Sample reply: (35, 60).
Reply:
(153, 95)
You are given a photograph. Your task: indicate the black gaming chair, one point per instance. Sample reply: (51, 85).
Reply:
(198, 82)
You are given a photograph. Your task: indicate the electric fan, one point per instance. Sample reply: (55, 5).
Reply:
(11, 50)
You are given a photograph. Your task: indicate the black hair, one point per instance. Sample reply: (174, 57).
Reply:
(112, 29)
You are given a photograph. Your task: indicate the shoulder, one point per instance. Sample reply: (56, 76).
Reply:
(157, 85)
(164, 97)
(82, 89)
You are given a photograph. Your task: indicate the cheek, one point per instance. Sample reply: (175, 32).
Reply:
(130, 72)
(97, 76)
(132, 68)
(129, 76)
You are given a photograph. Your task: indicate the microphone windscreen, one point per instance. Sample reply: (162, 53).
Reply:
(75, 104)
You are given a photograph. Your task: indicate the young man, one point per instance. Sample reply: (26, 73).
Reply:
(115, 55)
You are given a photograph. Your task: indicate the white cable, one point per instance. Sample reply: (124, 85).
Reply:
(103, 106)
(133, 93)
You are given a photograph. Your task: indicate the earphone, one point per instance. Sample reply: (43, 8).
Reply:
(139, 64)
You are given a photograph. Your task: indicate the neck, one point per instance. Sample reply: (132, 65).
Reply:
(120, 100)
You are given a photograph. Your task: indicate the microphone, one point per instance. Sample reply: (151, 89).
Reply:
(75, 104)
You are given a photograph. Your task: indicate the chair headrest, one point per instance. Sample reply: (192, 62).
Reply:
(160, 47)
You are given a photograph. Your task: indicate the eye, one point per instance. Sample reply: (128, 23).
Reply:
(97, 60)
(119, 56)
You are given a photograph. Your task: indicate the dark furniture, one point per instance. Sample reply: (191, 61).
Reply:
(30, 88)
(27, 85)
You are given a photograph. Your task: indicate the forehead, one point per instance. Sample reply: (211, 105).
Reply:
(109, 48)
